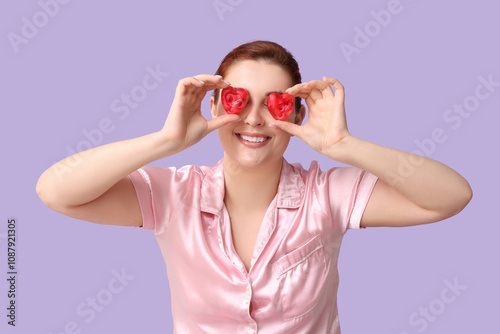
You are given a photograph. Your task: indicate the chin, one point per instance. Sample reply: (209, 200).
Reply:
(249, 162)
(252, 162)
(239, 156)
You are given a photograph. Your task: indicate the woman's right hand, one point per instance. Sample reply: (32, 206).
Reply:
(93, 185)
(185, 124)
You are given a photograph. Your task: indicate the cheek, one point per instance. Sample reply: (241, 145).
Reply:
(282, 137)
(227, 130)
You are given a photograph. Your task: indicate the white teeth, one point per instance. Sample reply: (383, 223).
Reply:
(253, 139)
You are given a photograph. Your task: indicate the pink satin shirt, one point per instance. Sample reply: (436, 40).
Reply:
(292, 284)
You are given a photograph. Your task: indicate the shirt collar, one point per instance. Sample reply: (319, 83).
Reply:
(290, 189)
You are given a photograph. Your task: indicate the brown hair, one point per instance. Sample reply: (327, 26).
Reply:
(266, 50)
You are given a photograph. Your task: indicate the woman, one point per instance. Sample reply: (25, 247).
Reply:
(251, 244)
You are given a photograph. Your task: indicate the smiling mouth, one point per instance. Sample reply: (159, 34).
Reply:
(253, 139)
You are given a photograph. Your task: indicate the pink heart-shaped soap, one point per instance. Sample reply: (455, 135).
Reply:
(233, 100)
(280, 105)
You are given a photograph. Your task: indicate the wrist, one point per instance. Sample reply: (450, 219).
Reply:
(343, 150)
(161, 145)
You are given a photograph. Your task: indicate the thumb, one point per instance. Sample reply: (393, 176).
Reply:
(220, 121)
(291, 128)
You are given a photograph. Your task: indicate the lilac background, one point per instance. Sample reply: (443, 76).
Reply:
(64, 80)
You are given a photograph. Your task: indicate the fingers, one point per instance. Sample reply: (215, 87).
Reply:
(314, 92)
(200, 84)
(291, 128)
(339, 88)
(222, 120)
(317, 89)
(214, 81)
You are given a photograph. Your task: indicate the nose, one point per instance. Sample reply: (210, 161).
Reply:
(254, 115)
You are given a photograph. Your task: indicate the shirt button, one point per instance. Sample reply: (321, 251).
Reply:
(247, 293)
(251, 325)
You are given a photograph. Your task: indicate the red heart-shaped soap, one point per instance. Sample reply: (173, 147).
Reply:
(280, 105)
(233, 100)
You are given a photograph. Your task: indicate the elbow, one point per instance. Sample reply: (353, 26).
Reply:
(47, 195)
(460, 201)
(40, 190)
(43, 193)
(466, 197)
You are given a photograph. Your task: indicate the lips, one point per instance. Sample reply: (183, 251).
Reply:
(253, 139)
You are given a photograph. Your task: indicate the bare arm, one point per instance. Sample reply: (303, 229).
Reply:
(426, 191)
(94, 185)
(411, 189)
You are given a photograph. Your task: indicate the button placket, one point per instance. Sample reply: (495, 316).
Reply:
(226, 247)
(252, 325)
(263, 239)
(248, 298)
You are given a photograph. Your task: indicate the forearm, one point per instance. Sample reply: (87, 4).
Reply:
(85, 176)
(426, 182)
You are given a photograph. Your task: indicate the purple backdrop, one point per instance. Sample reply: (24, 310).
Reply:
(419, 75)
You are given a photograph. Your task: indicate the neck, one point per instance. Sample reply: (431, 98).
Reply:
(251, 187)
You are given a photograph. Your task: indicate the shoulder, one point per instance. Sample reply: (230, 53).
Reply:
(335, 179)
(315, 171)
(175, 174)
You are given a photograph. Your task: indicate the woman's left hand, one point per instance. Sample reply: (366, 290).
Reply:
(326, 125)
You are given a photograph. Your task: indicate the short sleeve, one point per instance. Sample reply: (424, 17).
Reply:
(158, 191)
(349, 189)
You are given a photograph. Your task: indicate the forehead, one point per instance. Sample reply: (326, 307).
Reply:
(258, 77)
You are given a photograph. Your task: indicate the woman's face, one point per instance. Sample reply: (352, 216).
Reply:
(251, 142)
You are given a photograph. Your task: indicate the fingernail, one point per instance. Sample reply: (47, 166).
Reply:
(272, 126)
(288, 89)
(200, 81)
(219, 76)
(226, 82)
(238, 120)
